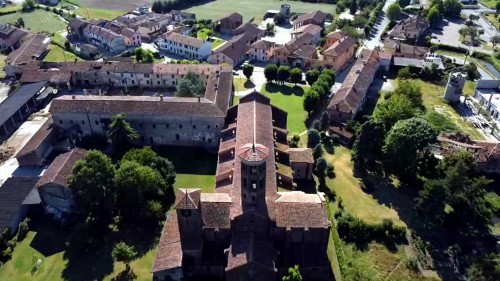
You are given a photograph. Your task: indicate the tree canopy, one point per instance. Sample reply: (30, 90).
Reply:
(312, 76)
(122, 252)
(293, 274)
(411, 90)
(248, 70)
(191, 85)
(393, 12)
(121, 134)
(367, 147)
(283, 73)
(296, 75)
(397, 107)
(271, 72)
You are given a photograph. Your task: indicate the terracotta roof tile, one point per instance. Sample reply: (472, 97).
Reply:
(340, 46)
(301, 155)
(187, 198)
(61, 168)
(296, 209)
(169, 255)
(215, 210)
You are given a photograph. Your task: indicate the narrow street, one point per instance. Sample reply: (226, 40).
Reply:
(374, 39)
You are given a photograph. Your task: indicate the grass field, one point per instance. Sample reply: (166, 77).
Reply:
(10, 8)
(433, 101)
(255, 8)
(488, 3)
(2, 66)
(54, 266)
(366, 206)
(203, 35)
(38, 20)
(205, 182)
(492, 18)
(242, 84)
(98, 13)
(289, 99)
(58, 54)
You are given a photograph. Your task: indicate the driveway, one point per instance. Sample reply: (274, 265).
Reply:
(447, 33)
(258, 78)
(374, 39)
(282, 35)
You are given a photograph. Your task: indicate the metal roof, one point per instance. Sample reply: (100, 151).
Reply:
(17, 99)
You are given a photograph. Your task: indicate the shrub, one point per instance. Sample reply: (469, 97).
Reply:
(330, 171)
(23, 229)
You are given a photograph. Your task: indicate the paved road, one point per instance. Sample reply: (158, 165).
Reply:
(374, 39)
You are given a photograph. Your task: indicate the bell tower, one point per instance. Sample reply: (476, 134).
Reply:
(253, 174)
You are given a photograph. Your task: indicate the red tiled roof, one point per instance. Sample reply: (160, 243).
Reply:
(169, 255)
(301, 155)
(261, 249)
(336, 34)
(187, 198)
(183, 39)
(340, 46)
(353, 90)
(38, 139)
(262, 45)
(308, 28)
(296, 209)
(215, 210)
(232, 17)
(61, 168)
(316, 17)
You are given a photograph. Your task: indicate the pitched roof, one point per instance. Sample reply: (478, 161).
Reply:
(308, 28)
(38, 139)
(248, 28)
(183, 39)
(31, 48)
(262, 45)
(410, 24)
(187, 198)
(336, 34)
(106, 34)
(77, 24)
(12, 194)
(61, 168)
(296, 209)
(169, 255)
(19, 98)
(301, 155)
(295, 43)
(315, 17)
(305, 51)
(350, 95)
(248, 248)
(234, 48)
(215, 210)
(232, 17)
(341, 46)
(10, 35)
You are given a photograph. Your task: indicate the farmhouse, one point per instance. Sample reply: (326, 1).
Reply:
(229, 23)
(185, 46)
(11, 37)
(316, 17)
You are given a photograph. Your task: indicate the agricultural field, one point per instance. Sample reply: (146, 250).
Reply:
(58, 54)
(37, 20)
(254, 9)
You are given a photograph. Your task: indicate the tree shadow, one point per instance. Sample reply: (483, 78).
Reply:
(285, 89)
(49, 239)
(248, 84)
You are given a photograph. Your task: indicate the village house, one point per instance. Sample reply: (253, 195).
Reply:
(280, 54)
(314, 30)
(158, 119)
(38, 148)
(131, 38)
(303, 56)
(179, 16)
(333, 37)
(488, 96)
(247, 230)
(410, 55)
(34, 48)
(105, 38)
(340, 53)
(251, 31)
(349, 100)
(229, 23)
(185, 46)
(317, 18)
(149, 25)
(411, 30)
(56, 196)
(260, 50)
(76, 27)
(232, 52)
(11, 37)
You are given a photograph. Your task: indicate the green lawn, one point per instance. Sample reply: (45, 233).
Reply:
(58, 54)
(364, 205)
(289, 99)
(203, 35)
(2, 66)
(54, 265)
(10, 8)
(493, 20)
(97, 13)
(242, 84)
(252, 9)
(38, 20)
(205, 182)
(58, 39)
(433, 101)
(489, 3)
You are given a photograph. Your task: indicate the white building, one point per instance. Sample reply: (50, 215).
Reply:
(184, 46)
(488, 95)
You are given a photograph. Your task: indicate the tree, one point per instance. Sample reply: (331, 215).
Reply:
(452, 8)
(191, 85)
(439, 6)
(124, 253)
(322, 88)
(293, 274)
(432, 201)
(412, 91)
(314, 137)
(19, 23)
(137, 184)
(271, 72)
(472, 72)
(403, 143)
(92, 180)
(296, 75)
(148, 57)
(67, 46)
(393, 12)
(248, 70)
(121, 134)
(325, 121)
(279, 19)
(328, 76)
(367, 147)
(405, 73)
(317, 151)
(283, 73)
(147, 157)
(497, 7)
(353, 7)
(398, 107)
(469, 31)
(311, 100)
(139, 54)
(433, 15)
(461, 158)
(312, 76)
(473, 17)
(404, 3)
(28, 5)
(320, 167)
(495, 39)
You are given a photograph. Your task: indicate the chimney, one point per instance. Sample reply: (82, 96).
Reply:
(73, 96)
(161, 97)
